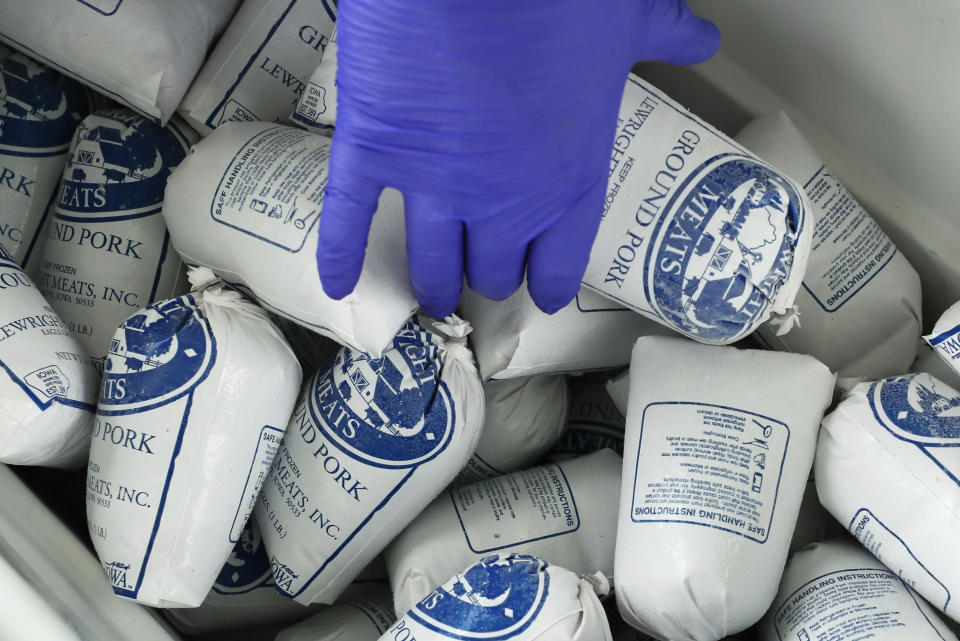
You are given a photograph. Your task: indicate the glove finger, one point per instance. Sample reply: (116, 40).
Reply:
(677, 35)
(494, 263)
(434, 254)
(558, 257)
(348, 206)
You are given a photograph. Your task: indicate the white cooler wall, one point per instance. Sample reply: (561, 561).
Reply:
(871, 83)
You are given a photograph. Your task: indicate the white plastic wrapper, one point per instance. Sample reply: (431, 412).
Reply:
(523, 419)
(361, 618)
(138, 52)
(593, 423)
(716, 461)
(516, 597)
(835, 591)
(513, 338)
(370, 444)
(945, 339)
(929, 361)
(619, 390)
(108, 253)
(887, 468)
(246, 204)
(196, 394)
(243, 594)
(48, 386)
(860, 301)
(313, 350)
(261, 63)
(39, 108)
(697, 233)
(317, 108)
(559, 512)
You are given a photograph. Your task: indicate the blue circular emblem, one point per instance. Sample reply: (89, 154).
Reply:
(248, 567)
(392, 411)
(917, 408)
(725, 249)
(156, 356)
(39, 107)
(497, 598)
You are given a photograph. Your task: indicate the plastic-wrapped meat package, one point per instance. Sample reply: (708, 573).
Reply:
(140, 53)
(523, 419)
(48, 385)
(317, 109)
(40, 109)
(363, 617)
(859, 308)
(371, 442)
(108, 253)
(887, 467)
(259, 67)
(945, 339)
(564, 513)
(619, 390)
(313, 350)
(509, 596)
(246, 203)
(697, 233)
(836, 591)
(928, 361)
(593, 422)
(716, 461)
(196, 394)
(514, 338)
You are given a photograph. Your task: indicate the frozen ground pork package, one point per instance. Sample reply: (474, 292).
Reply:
(39, 108)
(945, 339)
(108, 253)
(317, 108)
(887, 468)
(246, 202)
(364, 617)
(48, 386)
(716, 461)
(697, 233)
(508, 596)
(929, 361)
(514, 338)
(564, 513)
(836, 591)
(140, 53)
(196, 394)
(523, 418)
(261, 63)
(593, 423)
(860, 301)
(370, 444)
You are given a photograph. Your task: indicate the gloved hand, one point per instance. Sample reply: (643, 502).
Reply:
(496, 120)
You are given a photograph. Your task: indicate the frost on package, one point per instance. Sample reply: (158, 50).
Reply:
(196, 394)
(887, 467)
(48, 386)
(945, 339)
(140, 53)
(108, 253)
(564, 513)
(716, 461)
(859, 307)
(317, 109)
(370, 444)
(260, 66)
(246, 203)
(39, 109)
(697, 233)
(835, 591)
(513, 597)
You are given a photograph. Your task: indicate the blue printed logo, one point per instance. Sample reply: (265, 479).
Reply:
(248, 567)
(119, 161)
(918, 408)
(497, 598)
(391, 411)
(157, 356)
(39, 108)
(726, 248)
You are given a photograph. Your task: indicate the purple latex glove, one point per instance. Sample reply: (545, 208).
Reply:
(495, 118)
